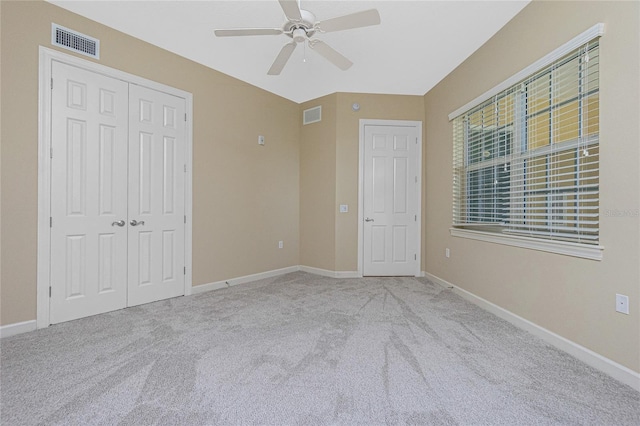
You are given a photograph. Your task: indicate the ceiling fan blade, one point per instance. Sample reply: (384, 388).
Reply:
(247, 32)
(353, 20)
(291, 9)
(282, 58)
(330, 54)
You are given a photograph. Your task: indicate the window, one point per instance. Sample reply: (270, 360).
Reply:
(526, 159)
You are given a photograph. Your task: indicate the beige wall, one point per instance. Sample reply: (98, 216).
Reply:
(329, 174)
(572, 297)
(372, 106)
(318, 186)
(245, 197)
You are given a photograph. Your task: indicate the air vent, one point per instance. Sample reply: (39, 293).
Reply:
(73, 40)
(312, 115)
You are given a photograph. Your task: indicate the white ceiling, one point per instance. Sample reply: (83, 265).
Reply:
(416, 45)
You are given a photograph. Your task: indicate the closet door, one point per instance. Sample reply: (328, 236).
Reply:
(88, 193)
(156, 195)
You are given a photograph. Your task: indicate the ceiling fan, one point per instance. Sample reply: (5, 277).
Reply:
(301, 26)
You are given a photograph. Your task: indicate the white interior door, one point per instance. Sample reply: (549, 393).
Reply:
(390, 200)
(88, 193)
(156, 195)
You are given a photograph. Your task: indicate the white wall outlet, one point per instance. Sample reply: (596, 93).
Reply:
(447, 253)
(280, 244)
(344, 208)
(260, 140)
(622, 304)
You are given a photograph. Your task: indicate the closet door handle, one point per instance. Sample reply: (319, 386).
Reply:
(118, 222)
(368, 220)
(136, 223)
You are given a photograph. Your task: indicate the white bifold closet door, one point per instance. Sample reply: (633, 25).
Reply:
(117, 194)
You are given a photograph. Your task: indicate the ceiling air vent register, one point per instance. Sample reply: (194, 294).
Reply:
(75, 41)
(312, 115)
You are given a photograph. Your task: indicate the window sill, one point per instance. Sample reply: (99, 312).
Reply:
(559, 247)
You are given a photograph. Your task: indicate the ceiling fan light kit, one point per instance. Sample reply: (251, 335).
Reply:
(301, 25)
(299, 35)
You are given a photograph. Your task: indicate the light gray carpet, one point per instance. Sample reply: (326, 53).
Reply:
(303, 349)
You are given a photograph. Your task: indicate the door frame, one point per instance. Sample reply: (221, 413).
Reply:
(397, 123)
(46, 58)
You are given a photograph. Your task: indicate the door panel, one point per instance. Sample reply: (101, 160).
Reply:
(390, 200)
(156, 195)
(88, 193)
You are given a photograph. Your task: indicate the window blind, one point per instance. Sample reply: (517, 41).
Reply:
(526, 161)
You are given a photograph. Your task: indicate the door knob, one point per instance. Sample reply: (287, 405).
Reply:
(136, 223)
(368, 220)
(118, 222)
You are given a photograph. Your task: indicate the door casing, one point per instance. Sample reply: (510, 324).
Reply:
(46, 58)
(361, 163)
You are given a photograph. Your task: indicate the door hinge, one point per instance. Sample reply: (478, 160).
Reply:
(415, 257)
(415, 218)
(185, 218)
(50, 222)
(416, 140)
(185, 271)
(49, 291)
(51, 83)
(185, 116)
(185, 168)
(51, 152)
(416, 179)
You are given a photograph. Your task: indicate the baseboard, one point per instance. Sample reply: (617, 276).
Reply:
(328, 273)
(241, 280)
(589, 357)
(262, 275)
(17, 328)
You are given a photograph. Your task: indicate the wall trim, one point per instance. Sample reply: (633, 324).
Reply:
(242, 280)
(330, 274)
(46, 57)
(17, 328)
(586, 251)
(617, 371)
(274, 273)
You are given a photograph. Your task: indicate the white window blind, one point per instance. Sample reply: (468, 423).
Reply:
(526, 160)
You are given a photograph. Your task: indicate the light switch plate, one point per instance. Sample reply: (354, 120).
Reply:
(260, 140)
(622, 304)
(344, 208)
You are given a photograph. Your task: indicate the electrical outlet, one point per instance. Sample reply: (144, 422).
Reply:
(280, 244)
(344, 208)
(260, 140)
(622, 304)
(447, 253)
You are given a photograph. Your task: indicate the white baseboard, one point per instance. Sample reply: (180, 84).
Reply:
(589, 357)
(17, 328)
(328, 273)
(241, 280)
(274, 273)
